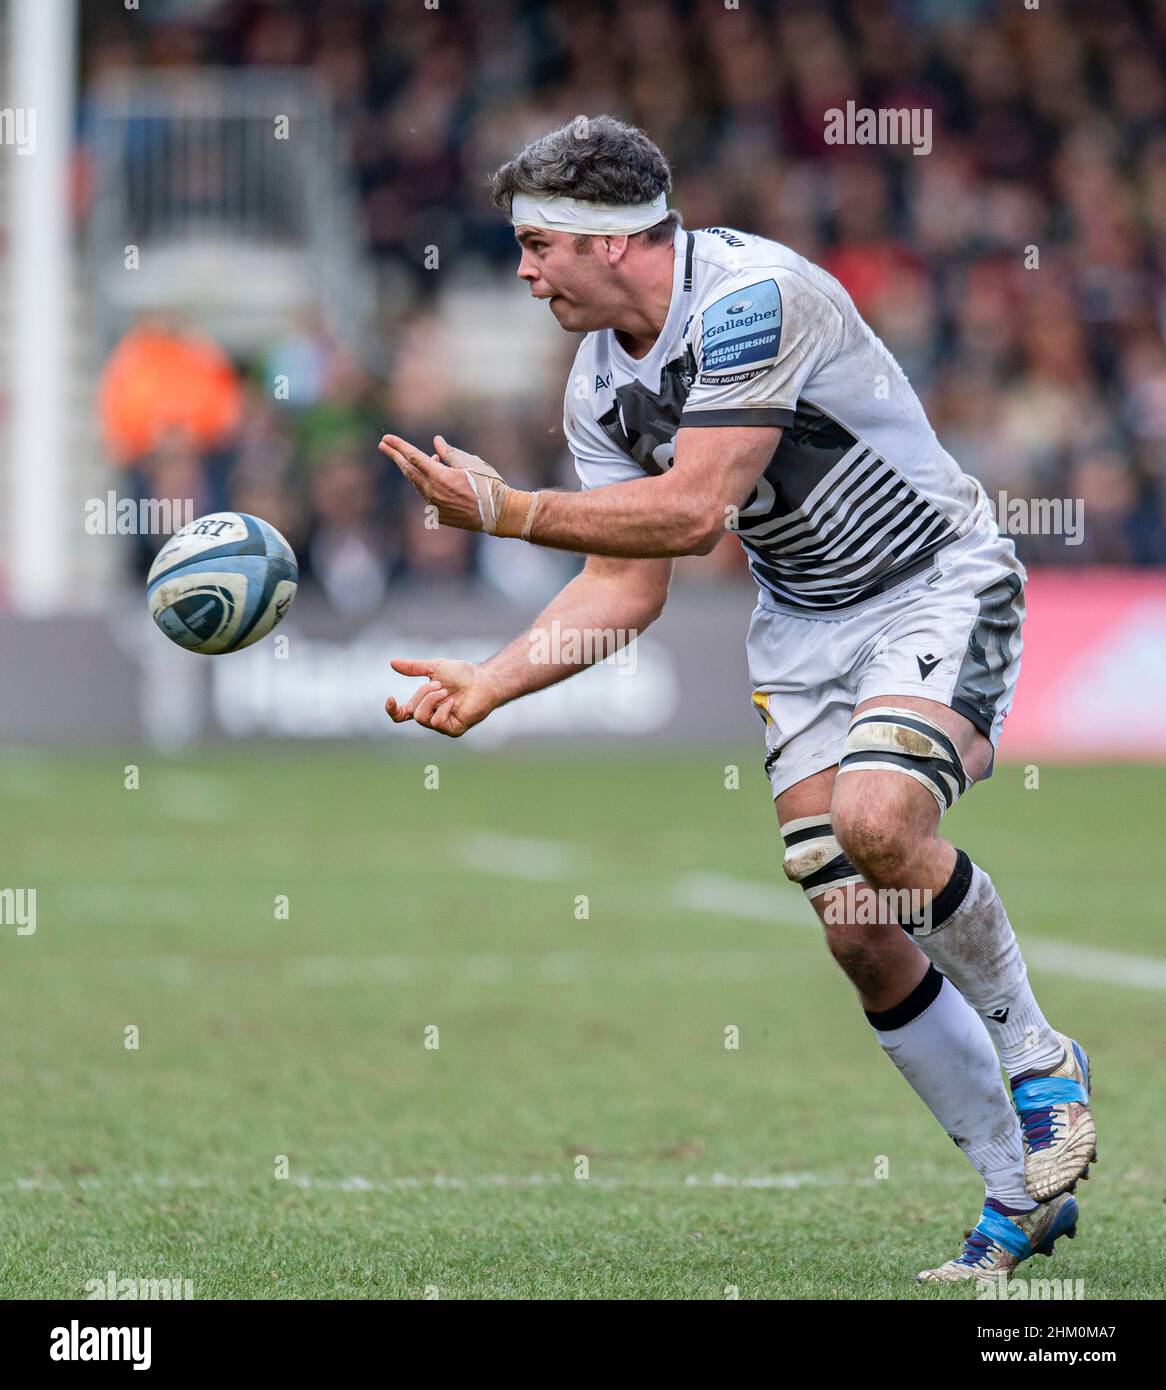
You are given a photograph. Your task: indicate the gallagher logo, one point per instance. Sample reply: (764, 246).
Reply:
(740, 306)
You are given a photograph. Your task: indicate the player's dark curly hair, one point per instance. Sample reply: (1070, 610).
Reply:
(593, 157)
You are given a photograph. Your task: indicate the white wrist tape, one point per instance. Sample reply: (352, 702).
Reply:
(504, 510)
(484, 494)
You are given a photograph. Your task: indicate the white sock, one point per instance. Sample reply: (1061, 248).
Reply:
(939, 1044)
(973, 944)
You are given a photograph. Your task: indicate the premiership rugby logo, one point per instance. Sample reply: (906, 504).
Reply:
(741, 332)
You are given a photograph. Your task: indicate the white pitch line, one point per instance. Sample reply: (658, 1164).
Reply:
(737, 897)
(551, 967)
(1093, 964)
(781, 1180)
(741, 898)
(119, 901)
(453, 1182)
(546, 860)
(760, 901)
(350, 970)
(515, 857)
(546, 967)
(195, 796)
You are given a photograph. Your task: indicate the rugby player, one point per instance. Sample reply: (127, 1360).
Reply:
(725, 381)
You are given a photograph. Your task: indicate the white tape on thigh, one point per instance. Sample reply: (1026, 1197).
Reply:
(888, 739)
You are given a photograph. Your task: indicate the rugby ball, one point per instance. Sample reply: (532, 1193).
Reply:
(222, 582)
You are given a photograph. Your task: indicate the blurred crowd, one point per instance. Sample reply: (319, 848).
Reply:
(1016, 270)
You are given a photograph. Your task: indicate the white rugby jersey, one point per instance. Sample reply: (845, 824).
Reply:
(859, 492)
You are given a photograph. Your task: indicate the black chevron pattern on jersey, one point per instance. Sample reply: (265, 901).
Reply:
(829, 521)
(873, 526)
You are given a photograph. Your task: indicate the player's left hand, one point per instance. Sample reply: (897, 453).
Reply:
(456, 695)
(441, 479)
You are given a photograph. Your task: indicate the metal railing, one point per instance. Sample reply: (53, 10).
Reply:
(236, 190)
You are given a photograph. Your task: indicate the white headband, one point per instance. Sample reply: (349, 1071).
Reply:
(559, 214)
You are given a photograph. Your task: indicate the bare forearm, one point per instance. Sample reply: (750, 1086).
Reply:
(645, 518)
(684, 511)
(589, 619)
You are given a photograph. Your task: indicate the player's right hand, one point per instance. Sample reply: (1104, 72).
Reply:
(456, 696)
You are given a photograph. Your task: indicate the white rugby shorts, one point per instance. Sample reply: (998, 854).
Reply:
(950, 633)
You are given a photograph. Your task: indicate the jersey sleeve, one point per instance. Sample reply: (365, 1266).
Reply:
(755, 346)
(598, 459)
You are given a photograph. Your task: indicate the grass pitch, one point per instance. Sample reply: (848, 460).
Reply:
(581, 934)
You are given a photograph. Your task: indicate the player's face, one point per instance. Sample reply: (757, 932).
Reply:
(573, 283)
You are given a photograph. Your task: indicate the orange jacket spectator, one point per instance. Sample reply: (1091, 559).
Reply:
(160, 379)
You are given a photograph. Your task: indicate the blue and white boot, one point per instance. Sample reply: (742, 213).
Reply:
(1056, 1124)
(999, 1242)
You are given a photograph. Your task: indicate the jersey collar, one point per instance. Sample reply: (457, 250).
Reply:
(678, 306)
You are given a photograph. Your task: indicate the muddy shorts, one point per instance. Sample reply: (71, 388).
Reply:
(950, 633)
